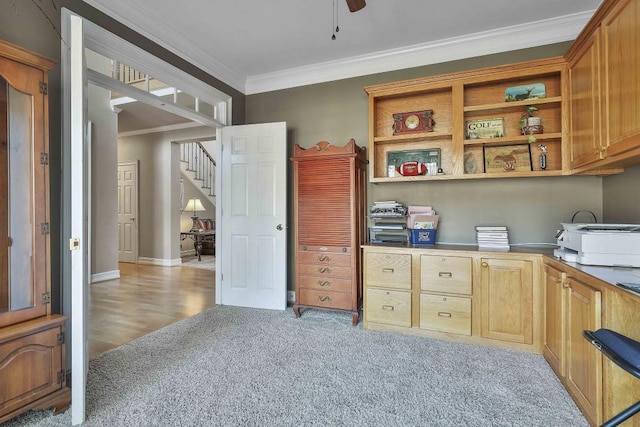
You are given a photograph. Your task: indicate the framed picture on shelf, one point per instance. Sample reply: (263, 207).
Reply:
(429, 157)
(485, 128)
(507, 158)
(520, 93)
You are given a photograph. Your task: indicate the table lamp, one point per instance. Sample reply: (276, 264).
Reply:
(194, 205)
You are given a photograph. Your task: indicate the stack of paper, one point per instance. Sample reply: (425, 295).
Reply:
(389, 208)
(492, 237)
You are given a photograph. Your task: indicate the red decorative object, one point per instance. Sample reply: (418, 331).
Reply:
(412, 169)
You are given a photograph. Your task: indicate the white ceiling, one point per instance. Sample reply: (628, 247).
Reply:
(261, 45)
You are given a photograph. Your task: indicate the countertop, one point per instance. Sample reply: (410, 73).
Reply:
(611, 275)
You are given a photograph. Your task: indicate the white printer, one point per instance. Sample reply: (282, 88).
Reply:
(616, 245)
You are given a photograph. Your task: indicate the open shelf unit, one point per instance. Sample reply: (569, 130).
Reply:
(457, 98)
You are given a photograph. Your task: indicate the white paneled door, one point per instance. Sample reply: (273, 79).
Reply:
(252, 230)
(127, 212)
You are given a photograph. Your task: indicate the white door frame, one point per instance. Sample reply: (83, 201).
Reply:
(78, 34)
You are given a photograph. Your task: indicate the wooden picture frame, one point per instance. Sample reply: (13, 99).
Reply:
(507, 158)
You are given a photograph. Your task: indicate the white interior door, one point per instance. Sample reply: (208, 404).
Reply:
(253, 239)
(127, 212)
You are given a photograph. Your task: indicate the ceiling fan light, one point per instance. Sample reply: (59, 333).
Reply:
(356, 5)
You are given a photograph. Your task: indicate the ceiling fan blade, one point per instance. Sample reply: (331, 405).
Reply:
(356, 5)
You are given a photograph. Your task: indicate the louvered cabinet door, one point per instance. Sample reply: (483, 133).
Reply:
(328, 204)
(324, 202)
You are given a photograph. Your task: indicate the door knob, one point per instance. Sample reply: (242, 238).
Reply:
(132, 219)
(279, 227)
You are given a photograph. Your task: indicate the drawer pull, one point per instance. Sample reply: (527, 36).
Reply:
(323, 258)
(324, 283)
(388, 307)
(444, 314)
(324, 299)
(324, 270)
(445, 274)
(387, 270)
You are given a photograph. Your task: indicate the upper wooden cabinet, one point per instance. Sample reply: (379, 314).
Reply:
(605, 89)
(458, 98)
(585, 111)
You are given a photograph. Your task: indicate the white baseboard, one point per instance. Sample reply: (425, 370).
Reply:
(188, 252)
(103, 277)
(160, 261)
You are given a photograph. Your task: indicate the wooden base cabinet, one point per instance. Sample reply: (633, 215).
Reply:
(330, 226)
(584, 362)
(32, 367)
(572, 306)
(447, 294)
(507, 299)
(555, 319)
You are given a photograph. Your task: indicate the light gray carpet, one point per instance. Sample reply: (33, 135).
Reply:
(233, 366)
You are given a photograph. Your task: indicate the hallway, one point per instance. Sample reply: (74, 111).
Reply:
(145, 299)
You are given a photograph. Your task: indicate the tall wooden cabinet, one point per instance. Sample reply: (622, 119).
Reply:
(330, 226)
(32, 351)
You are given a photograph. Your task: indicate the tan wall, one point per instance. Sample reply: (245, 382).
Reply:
(532, 208)
(104, 197)
(621, 199)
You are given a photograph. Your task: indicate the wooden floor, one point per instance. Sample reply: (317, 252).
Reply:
(145, 299)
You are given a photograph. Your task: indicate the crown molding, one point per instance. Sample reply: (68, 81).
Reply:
(538, 33)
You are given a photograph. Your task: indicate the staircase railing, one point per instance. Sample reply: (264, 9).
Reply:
(199, 161)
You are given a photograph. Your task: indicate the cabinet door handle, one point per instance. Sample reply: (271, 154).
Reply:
(484, 264)
(387, 270)
(444, 314)
(324, 299)
(323, 258)
(388, 307)
(445, 274)
(324, 283)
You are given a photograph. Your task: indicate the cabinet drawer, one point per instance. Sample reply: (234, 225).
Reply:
(324, 271)
(311, 297)
(390, 307)
(445, 274)
(325, 283)
(29, 368)
(388, 270)
(445, 314)
(324, 258)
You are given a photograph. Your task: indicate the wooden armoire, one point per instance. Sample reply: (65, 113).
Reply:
(32, 349)
(330, 225)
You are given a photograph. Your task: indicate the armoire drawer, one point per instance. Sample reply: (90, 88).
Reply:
(445, 314)
(450, 274)
(29, 368)
(312, 297)
(324, 258)
(325, 283)
(388, 306)
(388, 270)
(324, 271)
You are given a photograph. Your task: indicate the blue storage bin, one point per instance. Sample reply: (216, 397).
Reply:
(419, 236)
